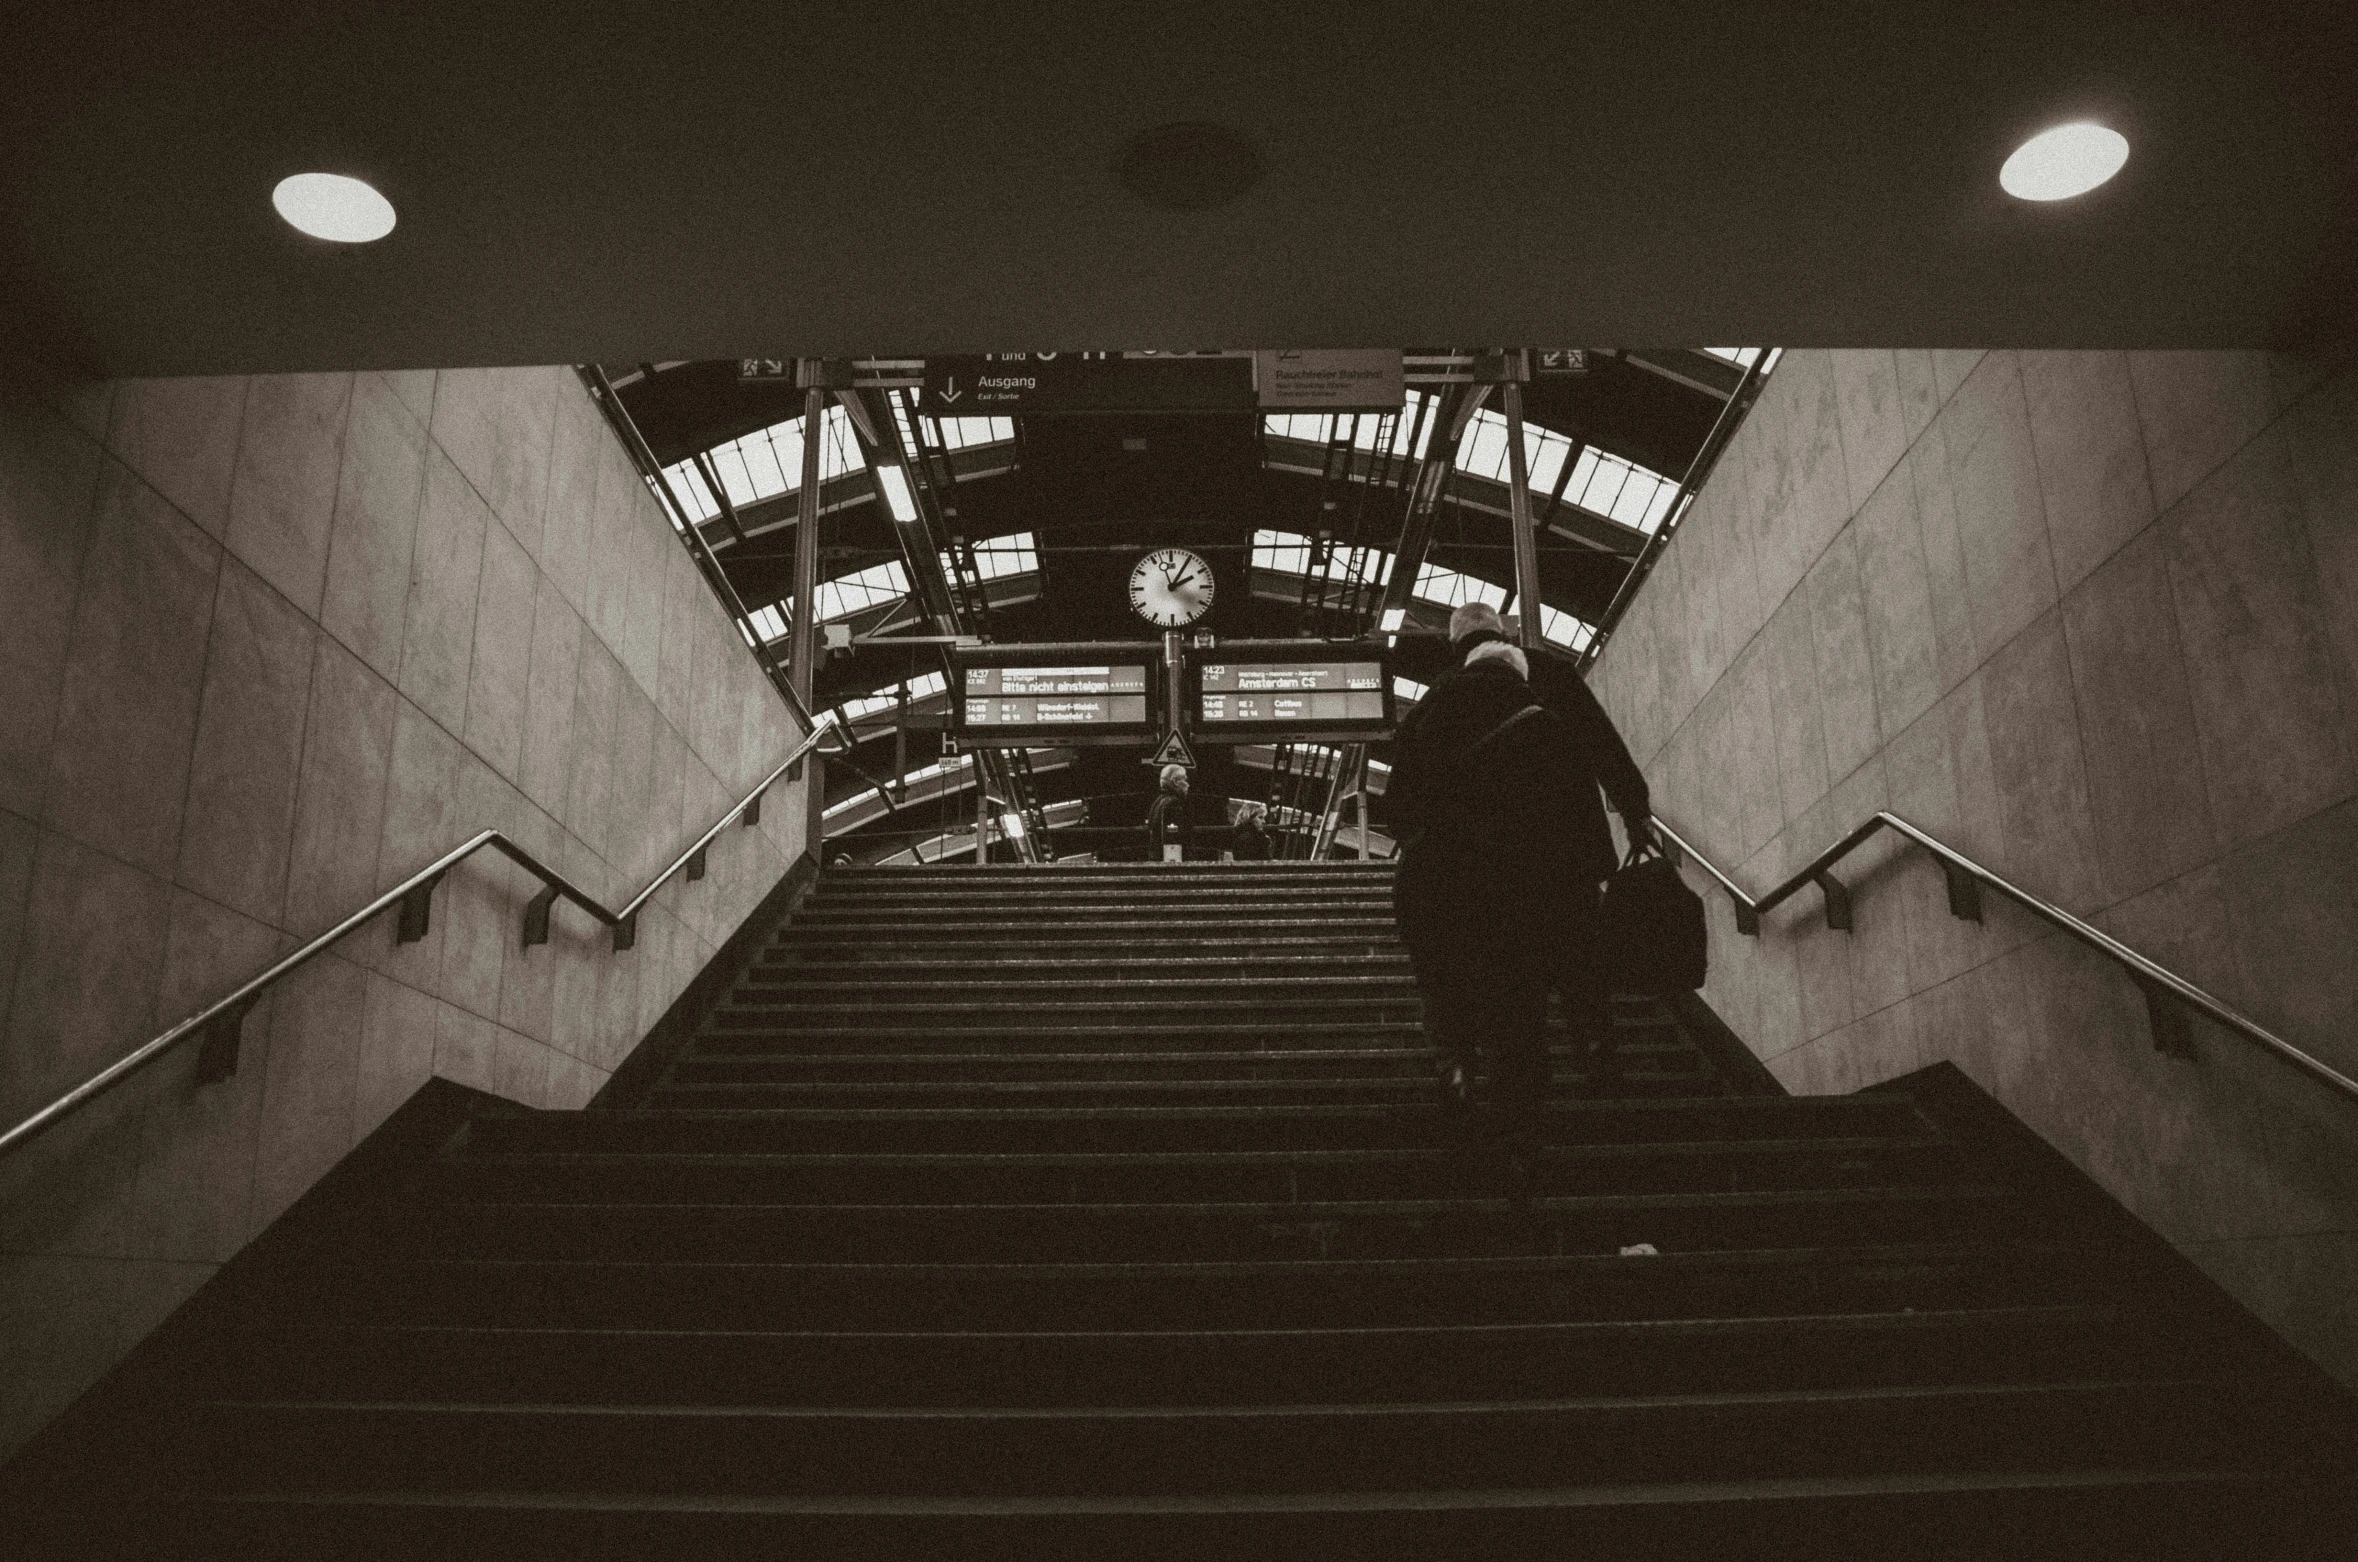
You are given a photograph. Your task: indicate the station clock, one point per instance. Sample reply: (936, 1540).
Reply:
(1171, 588)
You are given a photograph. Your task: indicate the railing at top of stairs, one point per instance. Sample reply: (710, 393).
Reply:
(2168, 996)
(218, 1024)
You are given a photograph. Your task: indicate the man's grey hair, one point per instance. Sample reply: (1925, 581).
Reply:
(1500, 651)
(1174, 778)
(1475, 618)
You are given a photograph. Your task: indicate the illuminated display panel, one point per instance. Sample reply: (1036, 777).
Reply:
(1292, 693)
(1105, 695)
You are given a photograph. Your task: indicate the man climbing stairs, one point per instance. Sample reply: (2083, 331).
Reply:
(1109, 1212)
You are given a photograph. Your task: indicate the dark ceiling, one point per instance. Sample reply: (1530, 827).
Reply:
(612, 183)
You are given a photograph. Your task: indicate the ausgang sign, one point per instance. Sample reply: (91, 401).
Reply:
(1003, 384)
(1329, 379)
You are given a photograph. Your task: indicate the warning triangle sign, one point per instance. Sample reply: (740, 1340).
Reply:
(1174, 751)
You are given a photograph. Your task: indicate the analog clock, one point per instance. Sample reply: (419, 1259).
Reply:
(1171, 588)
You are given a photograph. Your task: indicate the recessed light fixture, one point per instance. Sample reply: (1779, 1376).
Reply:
(334, 207)
(2069, 160)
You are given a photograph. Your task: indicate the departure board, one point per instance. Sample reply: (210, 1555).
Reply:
(1109, 695)
(1292, 693)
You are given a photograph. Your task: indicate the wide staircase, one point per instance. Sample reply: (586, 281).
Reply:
(1108, 1213)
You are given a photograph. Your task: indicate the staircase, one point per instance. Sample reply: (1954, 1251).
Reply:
(1106, 1213)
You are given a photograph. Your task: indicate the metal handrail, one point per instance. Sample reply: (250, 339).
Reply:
(219, 1023)
(2167, 994)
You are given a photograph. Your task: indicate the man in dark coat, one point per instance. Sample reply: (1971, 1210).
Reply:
(1168, 824)
(1494, 795)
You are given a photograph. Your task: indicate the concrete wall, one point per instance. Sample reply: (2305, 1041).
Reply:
(267, 646)
(2093, 619)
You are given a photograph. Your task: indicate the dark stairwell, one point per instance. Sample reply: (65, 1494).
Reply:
(1106, 1212)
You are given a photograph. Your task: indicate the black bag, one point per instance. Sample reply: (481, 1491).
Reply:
(1652, 929)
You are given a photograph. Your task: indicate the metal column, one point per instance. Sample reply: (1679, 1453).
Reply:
(802, 635)
(1527, 601)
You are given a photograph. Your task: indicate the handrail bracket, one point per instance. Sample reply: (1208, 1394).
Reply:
(1964, 893)
(2173, 1027)
(1837, 896)
(417, 911)
(218, 1049)
(536, 916)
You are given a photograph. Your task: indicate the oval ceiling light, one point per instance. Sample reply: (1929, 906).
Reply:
(2069, 160)
(333, 207)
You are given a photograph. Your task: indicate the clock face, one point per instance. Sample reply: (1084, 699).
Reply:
(1171, 588)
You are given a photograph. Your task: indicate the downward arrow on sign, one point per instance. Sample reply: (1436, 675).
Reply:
(950, 391)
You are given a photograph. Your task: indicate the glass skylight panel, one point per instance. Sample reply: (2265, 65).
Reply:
(861, 590)
(1620, 490)
(1282, 551)
(1741, 357)
(766, 463)
(1482, 452)
(769, 622)
(962, 433)
(1558, 627)
(1366, 429)
(1407, 690)
(896, 493)
(1447, 588)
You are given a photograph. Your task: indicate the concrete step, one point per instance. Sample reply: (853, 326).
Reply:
(1231, 1176)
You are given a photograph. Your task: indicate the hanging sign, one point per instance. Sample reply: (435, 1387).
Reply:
(1561, 360)
(1174, 751)
(1329, 379)
(998, 385)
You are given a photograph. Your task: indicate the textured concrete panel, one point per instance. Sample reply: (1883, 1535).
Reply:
(1896, 594)
(282, 500)
(1952, 366)
(1917, 389)
(308, 1084)
(2322, 434)
(2137, 731)
(1845, 667)
(49, 477)
(425, 816)
(546, 764)
(91, 957)
(182, 437)
(1874, 429)
(2197, 408)
(378, 489)
(2042, 781)
(1788, 648)
(2091, 453)
(438, 638)
(396, 1050)
(2276, 739)
(1956, 641)
(496, 424)
(613, 524)
(2293, 900)
(577, 446)
(2001, 526)
(249, 747)
(498, 683)
(340, 800)
(415, 387)
(196, 1162)
(588, 810)
(127, 707)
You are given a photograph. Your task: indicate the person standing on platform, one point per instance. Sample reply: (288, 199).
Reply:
(1494, 797)
(1169, 830)
(1251, 839)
